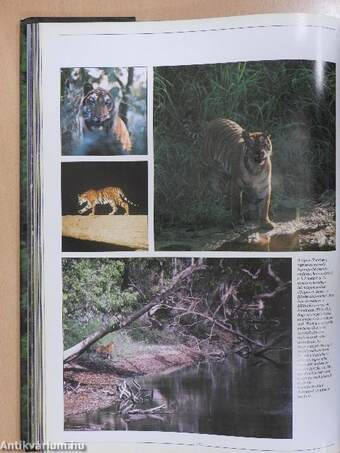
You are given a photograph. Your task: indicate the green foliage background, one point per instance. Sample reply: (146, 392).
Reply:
(96, 289)
(93, 291)
(294, 101)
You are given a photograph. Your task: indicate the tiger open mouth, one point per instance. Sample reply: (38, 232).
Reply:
(260, 160)
(99, 121)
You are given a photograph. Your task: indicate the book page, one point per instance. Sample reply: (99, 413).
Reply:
(189, 247)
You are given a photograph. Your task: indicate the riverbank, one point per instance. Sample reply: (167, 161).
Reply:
(85, 391)
(202, 398)
(310, 229)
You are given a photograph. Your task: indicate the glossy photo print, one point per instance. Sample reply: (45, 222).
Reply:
(103, 111)
(104, 206)
(188, 345)
(245, 156)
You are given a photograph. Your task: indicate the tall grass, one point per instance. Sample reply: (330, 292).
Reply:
(283, 98)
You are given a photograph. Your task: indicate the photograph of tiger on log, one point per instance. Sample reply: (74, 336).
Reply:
(104, 206)
(196, 345)
(245, 156)
(103, 111)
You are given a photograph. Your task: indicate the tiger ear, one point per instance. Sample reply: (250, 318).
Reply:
(87, 88)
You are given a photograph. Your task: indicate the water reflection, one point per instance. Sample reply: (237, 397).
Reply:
(234, 397)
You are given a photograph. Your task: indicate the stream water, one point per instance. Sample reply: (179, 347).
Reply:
(235, 397)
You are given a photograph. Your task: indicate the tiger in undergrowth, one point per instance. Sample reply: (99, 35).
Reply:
(102, 130)
(113, 196)
(105, 350)
(246, 159)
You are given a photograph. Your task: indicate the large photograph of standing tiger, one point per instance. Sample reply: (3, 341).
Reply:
(245, 156)
(103, 111)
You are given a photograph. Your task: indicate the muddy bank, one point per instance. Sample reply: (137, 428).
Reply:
(163, 358)
(86, 391)
(312, 229)
(94, 389)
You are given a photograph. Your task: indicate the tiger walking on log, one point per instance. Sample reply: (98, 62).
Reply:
(113, 196)
(246, 159)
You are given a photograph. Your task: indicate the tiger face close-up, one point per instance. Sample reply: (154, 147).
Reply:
(101, 128)
(246, 159)
(112, 196)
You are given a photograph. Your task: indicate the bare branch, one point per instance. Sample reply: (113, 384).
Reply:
(219, 324)
(253, 276)
(116, 323)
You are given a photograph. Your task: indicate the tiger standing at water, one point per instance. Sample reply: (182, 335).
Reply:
(113, 196)
(246, 159)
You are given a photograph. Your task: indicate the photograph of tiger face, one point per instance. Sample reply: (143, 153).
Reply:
(245, 156)
(103, 111)
(104, 206)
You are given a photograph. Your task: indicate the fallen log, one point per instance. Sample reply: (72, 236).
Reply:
(130, 231)
(148, 411)
(116, 323)
(74, 367)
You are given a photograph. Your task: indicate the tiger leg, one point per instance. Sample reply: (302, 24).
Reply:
(93, 206)
(113, 207)
(264, 212)
(125, 206)
(86, 208)
(81, 211)
(121, 132)
(236, 204)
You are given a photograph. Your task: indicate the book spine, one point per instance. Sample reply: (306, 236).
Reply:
(31, 363)
(24, 241)
(28, 353)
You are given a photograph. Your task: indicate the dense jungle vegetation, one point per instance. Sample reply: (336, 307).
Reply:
(196, 302)
(294, 101)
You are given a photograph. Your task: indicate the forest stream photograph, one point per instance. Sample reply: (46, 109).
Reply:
(195, 345)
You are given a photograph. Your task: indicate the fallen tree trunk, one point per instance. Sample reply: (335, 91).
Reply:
(130, 231)
(148, 411)
(116, 323)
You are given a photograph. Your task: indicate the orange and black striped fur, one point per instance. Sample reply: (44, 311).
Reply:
(113, 196)
(101, 128)
(246, 159)
(105, 350)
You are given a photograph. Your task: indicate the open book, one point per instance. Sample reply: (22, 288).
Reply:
(179, 267)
